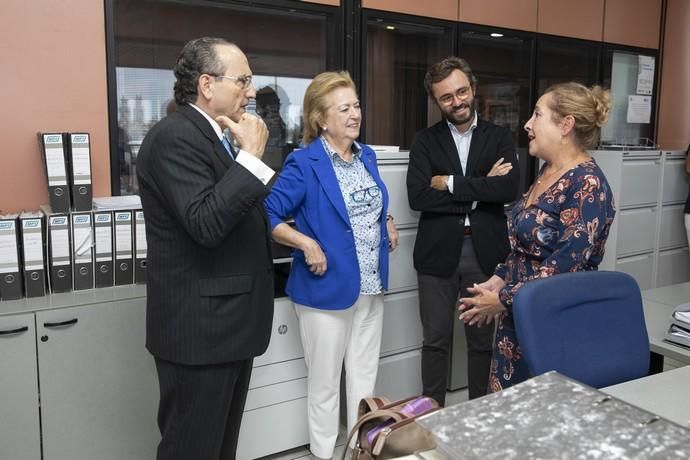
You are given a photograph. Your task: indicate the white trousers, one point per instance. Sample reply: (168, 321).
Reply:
(687, 226)
(329, 338)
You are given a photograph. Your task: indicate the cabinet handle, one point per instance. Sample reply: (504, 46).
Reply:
(15, 331)
(69, 322)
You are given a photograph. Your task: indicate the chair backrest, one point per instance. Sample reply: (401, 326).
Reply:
(587, 325)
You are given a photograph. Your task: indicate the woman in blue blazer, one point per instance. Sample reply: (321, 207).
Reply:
(333, 190)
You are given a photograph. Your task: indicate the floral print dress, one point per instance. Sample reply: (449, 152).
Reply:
(564, 230)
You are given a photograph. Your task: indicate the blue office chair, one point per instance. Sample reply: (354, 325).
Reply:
(587, 325)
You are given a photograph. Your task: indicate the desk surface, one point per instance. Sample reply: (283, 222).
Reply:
(664, 394)
(658, 305)
(673, 295)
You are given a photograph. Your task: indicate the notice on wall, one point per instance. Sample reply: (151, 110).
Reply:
(639, 109)
(645, 75)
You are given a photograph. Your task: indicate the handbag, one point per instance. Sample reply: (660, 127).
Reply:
(387, 429)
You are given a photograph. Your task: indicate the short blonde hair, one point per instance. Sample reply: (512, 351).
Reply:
(589, 107)
(315, 101)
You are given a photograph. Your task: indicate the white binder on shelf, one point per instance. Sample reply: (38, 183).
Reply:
(140, 247)
(124, 260)
(10, 262)
(103, 231)
(33, 253)
(55, 162)
(80, 171)
(59, 250)
(82, 250)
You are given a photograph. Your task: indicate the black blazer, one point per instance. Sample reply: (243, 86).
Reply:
(210, 280)
(438, 246)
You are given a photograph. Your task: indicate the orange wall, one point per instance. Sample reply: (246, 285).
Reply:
(442, 9)
(673, 126)
(513, 14)
(54, 79)
(581, 19)
(633, 22)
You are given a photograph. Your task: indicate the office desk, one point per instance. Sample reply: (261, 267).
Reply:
(658, 305)
(673, 295)
(663, 394)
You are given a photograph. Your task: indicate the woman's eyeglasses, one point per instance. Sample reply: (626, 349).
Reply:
(366, 194)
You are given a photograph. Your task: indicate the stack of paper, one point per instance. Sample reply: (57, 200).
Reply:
(679, 330)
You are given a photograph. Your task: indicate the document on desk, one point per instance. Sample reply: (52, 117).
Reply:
(551, 416)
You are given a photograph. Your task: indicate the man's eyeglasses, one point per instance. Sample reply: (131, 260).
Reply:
(245, 80)
(365, 194)
(461, 93)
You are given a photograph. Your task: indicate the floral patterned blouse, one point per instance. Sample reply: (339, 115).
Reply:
(564, 230)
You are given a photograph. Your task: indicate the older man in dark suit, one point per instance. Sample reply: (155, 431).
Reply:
(210, 283)
(462, 171)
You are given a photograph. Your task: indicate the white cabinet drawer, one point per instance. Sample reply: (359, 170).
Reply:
(277, 373)
(395, 178)
(674, 267)
(639, 267)
(285, 341)
(640, 182)
(402, 275)
(273, 429)
(276, 394)
(675, 187)
(400, 375)
(636, 230)
(672, 231)
(402, 328)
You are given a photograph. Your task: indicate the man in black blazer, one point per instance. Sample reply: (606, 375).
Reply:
(462, 171)
(210, 282)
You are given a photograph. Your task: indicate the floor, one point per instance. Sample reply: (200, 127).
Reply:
(452, 397)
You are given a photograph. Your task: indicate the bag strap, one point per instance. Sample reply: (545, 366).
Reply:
(367, 417)
(367, 405)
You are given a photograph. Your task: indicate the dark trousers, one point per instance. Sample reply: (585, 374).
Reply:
(201, 409)
(438, 308)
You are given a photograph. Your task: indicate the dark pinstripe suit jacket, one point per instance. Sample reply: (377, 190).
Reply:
(210, 280)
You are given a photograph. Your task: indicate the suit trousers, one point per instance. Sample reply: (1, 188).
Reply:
(437, 308)
(330, 337)
(201, 409)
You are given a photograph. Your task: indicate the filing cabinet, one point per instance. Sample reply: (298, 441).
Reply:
(648, 238)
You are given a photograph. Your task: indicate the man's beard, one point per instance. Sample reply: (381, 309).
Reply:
(461, 120)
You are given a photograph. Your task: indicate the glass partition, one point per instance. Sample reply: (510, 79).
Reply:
(398, 53)
(286, 47)
(502, 62)
(631, 75)
(566, 59)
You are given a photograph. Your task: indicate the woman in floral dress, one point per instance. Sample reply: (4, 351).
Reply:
(560, 225)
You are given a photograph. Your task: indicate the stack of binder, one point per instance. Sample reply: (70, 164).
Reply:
(67, 161)
(679, 330)
(129, 248)
(11, 286)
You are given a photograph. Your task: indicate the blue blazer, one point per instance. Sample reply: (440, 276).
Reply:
(307, 189)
